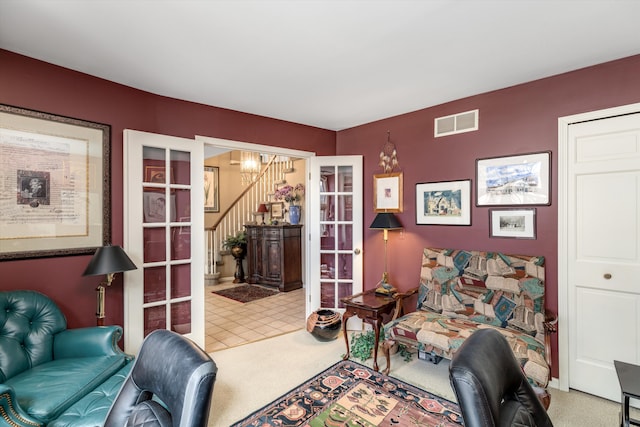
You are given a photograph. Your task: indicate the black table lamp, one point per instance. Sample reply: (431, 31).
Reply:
(385, 221)
(107, 260)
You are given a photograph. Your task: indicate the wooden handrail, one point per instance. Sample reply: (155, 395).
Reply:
(249, 187)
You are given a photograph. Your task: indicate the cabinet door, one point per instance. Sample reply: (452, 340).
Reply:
(254, 254)
(273, 265)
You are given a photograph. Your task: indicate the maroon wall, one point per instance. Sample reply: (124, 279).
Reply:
(519, 119)
(37, 85)
(515, 120)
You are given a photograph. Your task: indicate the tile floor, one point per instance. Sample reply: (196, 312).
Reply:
(230, 323)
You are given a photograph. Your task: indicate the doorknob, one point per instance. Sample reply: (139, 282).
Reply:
(607, 276)
(357, 251)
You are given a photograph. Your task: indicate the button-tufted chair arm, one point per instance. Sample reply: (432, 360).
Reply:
(87, 342)
(12, 413)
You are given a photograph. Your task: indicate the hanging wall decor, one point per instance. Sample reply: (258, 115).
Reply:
(387, 186)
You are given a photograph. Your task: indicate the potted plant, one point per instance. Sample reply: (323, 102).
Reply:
(239, 240)
(238, 246)
(362, 344)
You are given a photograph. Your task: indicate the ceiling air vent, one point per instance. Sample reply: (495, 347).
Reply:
(456, 123)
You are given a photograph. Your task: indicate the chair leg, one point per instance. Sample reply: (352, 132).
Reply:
(386, 349)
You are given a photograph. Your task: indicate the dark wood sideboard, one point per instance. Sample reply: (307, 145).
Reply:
(274, 255)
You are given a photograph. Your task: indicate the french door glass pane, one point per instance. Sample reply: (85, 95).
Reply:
(154, 244)
(155, 279)
(154, 318)
(180, 243)
(154, 165)
(180, 280)
(180, 166)
(181, 317)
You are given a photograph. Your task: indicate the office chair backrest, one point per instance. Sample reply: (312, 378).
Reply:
(170, 384)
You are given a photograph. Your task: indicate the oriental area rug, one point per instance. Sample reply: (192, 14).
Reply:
(246, 293)
(351, 394)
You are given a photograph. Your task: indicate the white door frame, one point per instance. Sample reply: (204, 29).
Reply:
(563, 228)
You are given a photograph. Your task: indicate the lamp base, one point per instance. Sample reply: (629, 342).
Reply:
(385, 288)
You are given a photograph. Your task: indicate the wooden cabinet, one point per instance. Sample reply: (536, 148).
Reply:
(274, 255)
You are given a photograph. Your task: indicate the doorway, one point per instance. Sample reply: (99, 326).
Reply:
(229, 323)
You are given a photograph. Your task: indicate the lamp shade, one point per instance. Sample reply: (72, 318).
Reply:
(262, 208)
(107, 260)
(385, 221)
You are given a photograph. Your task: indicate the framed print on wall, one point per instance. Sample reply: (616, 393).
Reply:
(443, 203)
(56, 171)
(512, 223)
(211, 186)
(514, 180)
(387, 192)
(277, 210)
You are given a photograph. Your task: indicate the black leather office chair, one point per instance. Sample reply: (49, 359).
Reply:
(173, 370)
(490, 385)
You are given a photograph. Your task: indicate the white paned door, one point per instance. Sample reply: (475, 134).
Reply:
(335, 227)
(603, 244)
(163, 209)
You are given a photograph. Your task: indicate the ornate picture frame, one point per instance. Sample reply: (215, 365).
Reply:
(387, 192)
(61, 168)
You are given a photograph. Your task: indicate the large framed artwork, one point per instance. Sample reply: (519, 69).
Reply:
(443, 203)
(512, 223)
(211, 189)
(387, 192)
(514, 180)
(55, 199)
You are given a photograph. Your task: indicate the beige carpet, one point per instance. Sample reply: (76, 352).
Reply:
(252, 375)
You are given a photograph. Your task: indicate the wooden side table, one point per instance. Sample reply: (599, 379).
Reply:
(629, 378)
(370, 307)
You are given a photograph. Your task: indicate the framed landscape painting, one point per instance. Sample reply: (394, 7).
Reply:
(514, 180)
(443, 203)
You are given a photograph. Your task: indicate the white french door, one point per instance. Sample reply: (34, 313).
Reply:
(335, 227)
(163, 209)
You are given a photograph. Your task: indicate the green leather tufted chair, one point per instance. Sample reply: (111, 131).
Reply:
(45, 367)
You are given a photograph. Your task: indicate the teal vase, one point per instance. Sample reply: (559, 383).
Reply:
(294, 214)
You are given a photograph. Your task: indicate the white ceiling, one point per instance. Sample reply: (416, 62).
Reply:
(333, 64)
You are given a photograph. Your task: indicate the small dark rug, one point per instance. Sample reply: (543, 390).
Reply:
(246, 293)
(351, 394)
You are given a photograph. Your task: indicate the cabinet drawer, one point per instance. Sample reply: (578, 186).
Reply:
(271, 234)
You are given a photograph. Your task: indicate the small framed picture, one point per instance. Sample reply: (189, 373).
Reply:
(211, 185)
(444, 203)
(277, 210)
(514, 180)
(512, 223)
(387, 192)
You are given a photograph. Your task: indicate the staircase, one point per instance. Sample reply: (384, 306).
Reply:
(243, 211)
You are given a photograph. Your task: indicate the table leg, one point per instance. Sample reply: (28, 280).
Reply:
(376, 341)
(345, 317)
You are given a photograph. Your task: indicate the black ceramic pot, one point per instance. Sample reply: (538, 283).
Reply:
(324, 324)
